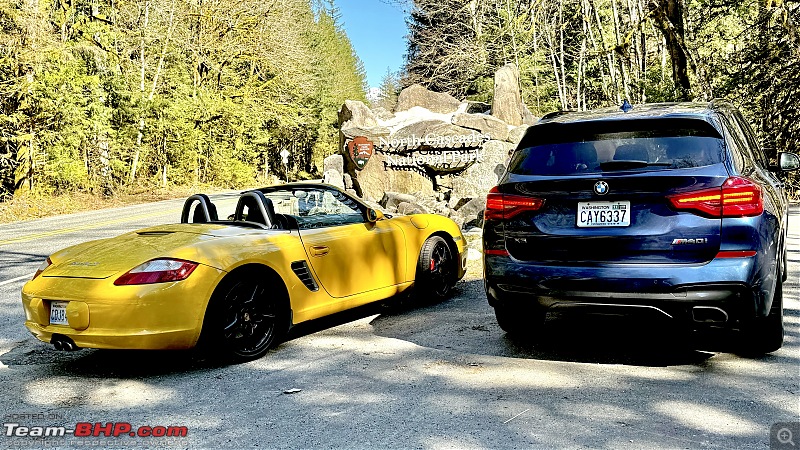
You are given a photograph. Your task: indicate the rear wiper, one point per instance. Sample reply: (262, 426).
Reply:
(625, 164)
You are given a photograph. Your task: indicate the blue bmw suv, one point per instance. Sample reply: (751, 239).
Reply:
(669, 210)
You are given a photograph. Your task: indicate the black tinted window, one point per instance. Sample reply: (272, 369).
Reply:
(591, 150)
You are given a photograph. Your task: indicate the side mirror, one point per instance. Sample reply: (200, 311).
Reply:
(788, 162)
(373, 215)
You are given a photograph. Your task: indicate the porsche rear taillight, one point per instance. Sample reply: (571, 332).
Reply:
(505, 206)
(47, 263)
(157, 271)
(737, 197)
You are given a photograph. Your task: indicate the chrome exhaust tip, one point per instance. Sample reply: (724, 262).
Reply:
(709, 314)
(63, 343)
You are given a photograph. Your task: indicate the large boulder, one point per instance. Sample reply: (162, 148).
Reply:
(374, 134)
(373, 180)
(417, 95)
(358, 114)
(516, 134)
(355, 120)
(334, 178)
(410, 208)
(390, 199)
(333, 162)
(507, 102)
(527, 116)
(495, 128)
(472, 211)
(478, 178)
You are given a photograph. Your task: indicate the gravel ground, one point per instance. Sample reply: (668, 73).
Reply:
(401, 375)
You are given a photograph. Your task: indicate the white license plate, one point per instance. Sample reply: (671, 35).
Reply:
(58, 313)
(604, 214)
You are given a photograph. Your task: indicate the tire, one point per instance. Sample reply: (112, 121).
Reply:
(765, 334)
(436, 269)
(244, 318)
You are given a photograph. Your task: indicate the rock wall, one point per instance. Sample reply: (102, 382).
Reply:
(434, 153)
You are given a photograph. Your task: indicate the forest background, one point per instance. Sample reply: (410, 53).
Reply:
(112, 96)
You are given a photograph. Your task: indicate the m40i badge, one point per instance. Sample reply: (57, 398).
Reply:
(690, 241)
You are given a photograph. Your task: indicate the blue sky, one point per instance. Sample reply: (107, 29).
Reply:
(377, 31)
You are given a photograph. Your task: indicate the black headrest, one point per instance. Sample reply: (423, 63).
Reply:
(259, 209)
(205, 211)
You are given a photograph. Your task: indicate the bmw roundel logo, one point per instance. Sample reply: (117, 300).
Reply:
(601, 188)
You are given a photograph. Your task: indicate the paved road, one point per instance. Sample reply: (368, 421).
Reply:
(409, 376)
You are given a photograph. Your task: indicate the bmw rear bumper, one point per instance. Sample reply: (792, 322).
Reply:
(725, 292)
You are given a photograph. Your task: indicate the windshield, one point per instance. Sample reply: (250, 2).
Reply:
(316, 208)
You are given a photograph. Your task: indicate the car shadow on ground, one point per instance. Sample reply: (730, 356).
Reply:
(466, 323)
(107, 363)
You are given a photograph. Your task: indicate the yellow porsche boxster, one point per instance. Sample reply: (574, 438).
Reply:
(288, 254)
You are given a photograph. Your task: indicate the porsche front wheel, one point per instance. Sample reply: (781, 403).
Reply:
(436, 268)
(245, 319)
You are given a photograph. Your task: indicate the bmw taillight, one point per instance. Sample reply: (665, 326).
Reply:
(157, 271)
(505, 206)
(737, 197)
(47, 263)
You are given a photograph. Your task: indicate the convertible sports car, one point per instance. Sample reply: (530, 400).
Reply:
(288, 254)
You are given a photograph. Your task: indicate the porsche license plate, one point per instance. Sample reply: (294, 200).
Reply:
(58, 313)
(604, 214)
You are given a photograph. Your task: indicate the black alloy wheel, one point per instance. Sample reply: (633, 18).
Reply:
(436, 269)
(244, 318)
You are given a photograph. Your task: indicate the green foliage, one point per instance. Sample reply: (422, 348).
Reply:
(581, 54)
(389, 91)
(96, 95)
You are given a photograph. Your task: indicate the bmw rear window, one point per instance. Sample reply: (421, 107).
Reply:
(580, 148)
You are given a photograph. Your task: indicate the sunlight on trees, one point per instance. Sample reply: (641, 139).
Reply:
(98, 95)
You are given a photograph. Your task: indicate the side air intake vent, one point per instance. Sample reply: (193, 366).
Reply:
(300, 269)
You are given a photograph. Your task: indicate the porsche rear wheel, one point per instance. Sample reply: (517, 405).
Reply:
(244, 318)
(436, 269)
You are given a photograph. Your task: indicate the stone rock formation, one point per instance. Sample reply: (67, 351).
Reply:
(417, 95)
(333, 162)
(478, 178)
(516, 133)
(507, 101)
(358, 114)
(488, 125)
(433, 154)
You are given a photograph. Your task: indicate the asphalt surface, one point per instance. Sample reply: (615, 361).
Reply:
(401, 375)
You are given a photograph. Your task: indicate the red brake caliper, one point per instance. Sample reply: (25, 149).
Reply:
(433, 264)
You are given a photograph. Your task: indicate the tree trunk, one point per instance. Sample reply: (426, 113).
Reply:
(668, 17)
(140, 132)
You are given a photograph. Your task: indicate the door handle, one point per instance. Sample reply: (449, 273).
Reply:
(319, 250)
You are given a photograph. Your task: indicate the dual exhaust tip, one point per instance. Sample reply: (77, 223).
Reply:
(63, 343)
